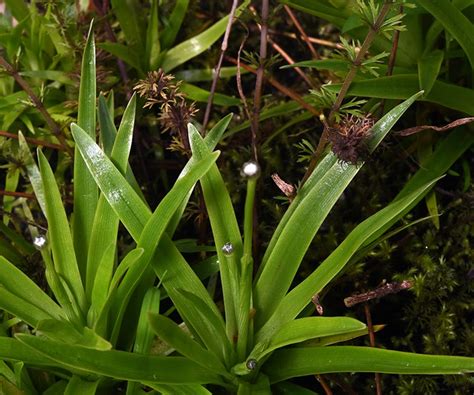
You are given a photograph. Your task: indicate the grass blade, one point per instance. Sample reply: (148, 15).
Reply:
(320, 360)
(60, 238)
(174, 24)
(171, 333)
(119, 364)
(293, 303)
(85, 189)
(455, 22)
(225, 229)
(188, 49)
(297, 232)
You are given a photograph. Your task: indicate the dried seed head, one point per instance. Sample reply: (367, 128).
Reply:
(349, 138)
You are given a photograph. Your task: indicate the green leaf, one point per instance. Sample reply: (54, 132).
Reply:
(320, 360)
(105, 227)
(153, 38)
(305, 215)
(307, 328)
(197, 75)
(119, 364)
(18, 8)
(428, 69)
(201, 95)
(225, 229)
(170, 332)
(155, 228)
(132, 23)
(20, 285)
(194, 46)
(317, 8)
(21, 308)
(455, 22)
(85, 189)
(78, 385)
(150, 305)
(403, 86)
(293, 303)
(174, 23)
(121, 51)
(59, 235)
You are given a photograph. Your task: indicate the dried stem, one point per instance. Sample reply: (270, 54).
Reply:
(373, 30)
(257, 99)
(17, 194)
(102, 11)
(290, 60)
(32, 141)
(370, 327)
(283, 89)
(302, 32)
(314, 40)
(324, 384)
(217, 69)
(53, 126)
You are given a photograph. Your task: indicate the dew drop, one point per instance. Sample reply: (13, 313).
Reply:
(251, 364)
(250, 169)
(227, 248)
(39, 242)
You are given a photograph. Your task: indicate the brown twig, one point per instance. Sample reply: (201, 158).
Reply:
(217, 69)
(302, 32)
(392, 57)
(102, 11)
(33, 141)
(417, 129)
(17, 194)
(257, 98)
(290, 61)
(239, 75)
(314, 40)
(53, 126)
(379, 292)
(373, 30)
(368, 317)
(324, 384)
(282, 88)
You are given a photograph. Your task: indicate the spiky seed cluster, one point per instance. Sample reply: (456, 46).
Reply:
(161, 89)
(349, 138)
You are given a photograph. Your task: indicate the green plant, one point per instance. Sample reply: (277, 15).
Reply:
(101, 328)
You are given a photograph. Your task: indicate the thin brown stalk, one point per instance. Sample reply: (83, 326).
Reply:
(324, 384)
(290, 61)
(370, 327)
(319, 41)
(53, 126)
(282, 88)
(102, 10)
(302, 32)
(239, 76)
(373, 30)
(392, 58)
(33, 141)
(257, 98)
(17, 194)
(217, 69)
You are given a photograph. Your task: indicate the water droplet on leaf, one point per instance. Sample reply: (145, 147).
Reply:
(228, 248)
(39, 242)
(251, 364)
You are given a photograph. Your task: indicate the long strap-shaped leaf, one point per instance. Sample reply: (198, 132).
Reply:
(119, 364)
(18, 283)
(106, 222)
(293, 303)
(225, 230)
(297, 234)
(169, 264)
(60, 239)
(85, 189)
(319, 360)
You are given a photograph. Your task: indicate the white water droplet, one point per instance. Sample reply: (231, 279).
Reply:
(251, 364)
(250, 169)
(39, 242)
(227, 248)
